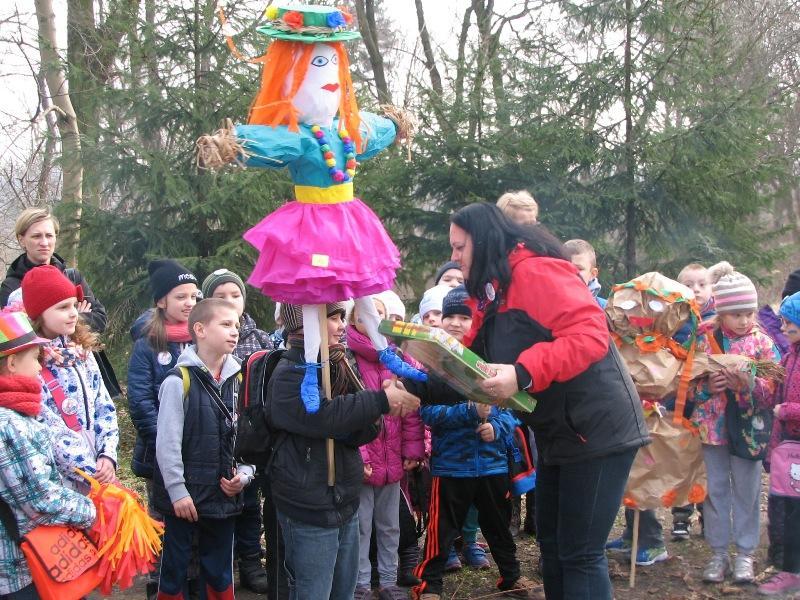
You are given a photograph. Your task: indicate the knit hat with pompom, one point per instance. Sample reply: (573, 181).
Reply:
(733, 291)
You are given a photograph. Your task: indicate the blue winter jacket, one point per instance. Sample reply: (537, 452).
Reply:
(146, 370)
(457, 450)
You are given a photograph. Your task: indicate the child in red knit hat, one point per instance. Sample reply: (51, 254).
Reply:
(30, 487)
(76, 406)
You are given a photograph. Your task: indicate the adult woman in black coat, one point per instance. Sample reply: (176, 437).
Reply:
(539, 327)
(37, 231)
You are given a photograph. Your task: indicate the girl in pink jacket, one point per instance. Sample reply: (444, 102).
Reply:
(399, 447)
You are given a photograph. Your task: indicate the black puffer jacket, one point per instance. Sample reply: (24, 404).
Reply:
(96, 319)
(299, 470)
(550, 327)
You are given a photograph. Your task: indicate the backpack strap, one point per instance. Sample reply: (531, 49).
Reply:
(59, 397)
(186, 379)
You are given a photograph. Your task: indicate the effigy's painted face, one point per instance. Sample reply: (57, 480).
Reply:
(317, 99)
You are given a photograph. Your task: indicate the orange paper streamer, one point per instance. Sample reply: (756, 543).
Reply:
(129, 540)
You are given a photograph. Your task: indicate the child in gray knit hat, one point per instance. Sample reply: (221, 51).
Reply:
(227, 285)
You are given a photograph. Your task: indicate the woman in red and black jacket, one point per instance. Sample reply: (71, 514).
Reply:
(539, 325)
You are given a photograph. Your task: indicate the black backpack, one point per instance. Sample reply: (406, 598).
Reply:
(255, 438)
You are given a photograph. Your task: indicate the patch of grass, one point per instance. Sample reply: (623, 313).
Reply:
(127, 437)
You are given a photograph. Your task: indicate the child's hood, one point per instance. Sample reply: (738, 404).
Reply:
(189, 358)
(360, 345)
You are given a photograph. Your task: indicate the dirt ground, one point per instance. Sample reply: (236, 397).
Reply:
(678, 578)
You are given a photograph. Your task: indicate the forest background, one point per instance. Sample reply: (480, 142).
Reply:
(663, 131)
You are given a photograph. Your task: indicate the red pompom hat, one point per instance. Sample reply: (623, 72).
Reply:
(45, 286)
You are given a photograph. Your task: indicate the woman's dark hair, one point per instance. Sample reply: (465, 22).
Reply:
(493, 236)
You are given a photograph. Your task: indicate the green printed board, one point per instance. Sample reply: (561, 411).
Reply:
(443, 354)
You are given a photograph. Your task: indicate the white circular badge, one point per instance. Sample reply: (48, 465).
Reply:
(69, 406)
(164, 358)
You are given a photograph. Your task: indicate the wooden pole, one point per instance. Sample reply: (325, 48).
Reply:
(634, 548)
(326, 385)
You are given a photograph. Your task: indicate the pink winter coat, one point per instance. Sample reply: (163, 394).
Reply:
(400, 437)
(787, 424)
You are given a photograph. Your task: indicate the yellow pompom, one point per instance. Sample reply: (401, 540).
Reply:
(351, 172)
(272, 12)
(331, 162)
(343, 133)
(315, 128)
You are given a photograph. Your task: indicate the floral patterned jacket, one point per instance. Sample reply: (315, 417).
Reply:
(709, 412)
(79, 377)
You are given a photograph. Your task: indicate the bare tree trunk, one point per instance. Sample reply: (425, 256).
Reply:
(92, 47)
(365, 10)
(72, 166)
(489, 47)
(43, 183)
(461, 60)
(430, 59)
(630, 165)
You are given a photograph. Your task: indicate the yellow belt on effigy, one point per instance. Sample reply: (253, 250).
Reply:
(335, 194)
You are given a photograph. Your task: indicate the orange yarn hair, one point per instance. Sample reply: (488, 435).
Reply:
(272, 106)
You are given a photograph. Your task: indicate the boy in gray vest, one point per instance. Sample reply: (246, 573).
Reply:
(197, 484)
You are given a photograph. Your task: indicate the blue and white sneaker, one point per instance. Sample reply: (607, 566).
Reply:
(619, 546)
(650, 556)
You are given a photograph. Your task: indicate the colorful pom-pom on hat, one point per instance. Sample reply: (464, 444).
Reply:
(308, 24)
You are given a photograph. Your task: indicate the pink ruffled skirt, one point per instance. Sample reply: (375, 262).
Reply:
(320, 253)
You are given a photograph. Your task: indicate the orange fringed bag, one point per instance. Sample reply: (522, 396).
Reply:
(128, 539)
(67, 563)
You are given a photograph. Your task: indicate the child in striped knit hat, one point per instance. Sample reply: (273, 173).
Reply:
(731, 511)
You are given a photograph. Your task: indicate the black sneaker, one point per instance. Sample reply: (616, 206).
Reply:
(680, 530)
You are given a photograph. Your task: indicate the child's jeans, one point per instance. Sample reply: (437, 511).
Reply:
(734, 485)
(322, 562)
(379, 510)
(786, 515)
(650, 531)
(469, 532)
(215, 538)
(248, 524)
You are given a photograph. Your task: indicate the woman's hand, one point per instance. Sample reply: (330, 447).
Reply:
(367, 471)
(401, 402)
(84, 306)
(104, 470)
(777, 411)
(504, 383)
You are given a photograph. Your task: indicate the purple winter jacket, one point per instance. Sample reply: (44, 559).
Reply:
(400, 437)
(771, 323)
